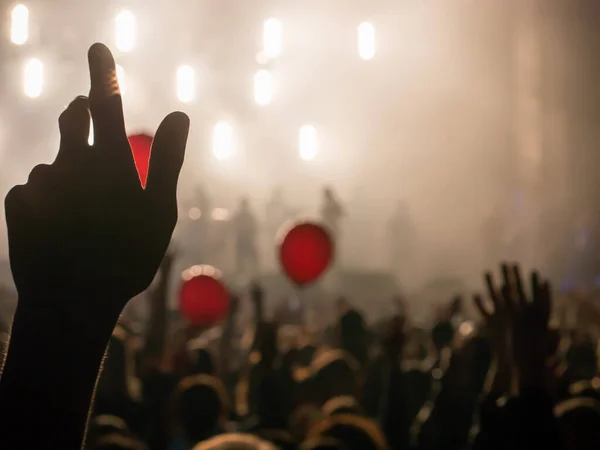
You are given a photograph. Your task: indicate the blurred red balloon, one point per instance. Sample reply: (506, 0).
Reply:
(305, 252)
(140, 147)
(203, 300)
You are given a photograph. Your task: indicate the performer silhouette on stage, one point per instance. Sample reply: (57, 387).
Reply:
(276, 212)
(331, 212)
(245, 230)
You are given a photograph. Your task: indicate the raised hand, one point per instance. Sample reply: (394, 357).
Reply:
(498, 324)
(84, 236)
(524, 320)
(497, 320)
(530, 317)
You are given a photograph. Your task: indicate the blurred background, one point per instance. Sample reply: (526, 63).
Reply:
(473, 113)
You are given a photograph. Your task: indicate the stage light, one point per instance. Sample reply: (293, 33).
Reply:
(223, 141)
(186, 85)
(33, 78)
(366, 40)
(125, 31)
(121, 78)
(219, 214)
(307, 143)
(263, 87)
(19, 25)
(194, 213)
(272, 38)
(91, 135)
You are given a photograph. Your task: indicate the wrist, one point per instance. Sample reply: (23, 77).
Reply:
(94, 315)
(53, 357)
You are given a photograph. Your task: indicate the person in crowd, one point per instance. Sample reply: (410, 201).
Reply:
(331, 211)
(276, 211)
(85, 238)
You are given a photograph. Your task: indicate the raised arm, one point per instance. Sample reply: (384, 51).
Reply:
(84, 238)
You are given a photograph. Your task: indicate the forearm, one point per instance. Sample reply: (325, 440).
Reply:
(499, 379)
(48, 380)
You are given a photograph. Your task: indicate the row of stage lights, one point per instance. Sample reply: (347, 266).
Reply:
(185, 83)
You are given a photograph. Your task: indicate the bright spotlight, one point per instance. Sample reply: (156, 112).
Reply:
(91, 135)
(186, 85)
(272, 38)
(121, 79)
(307, 143)
(263, 87)
(223, 141)
(33, 78)
(366, 40)
(125, 31)
(19, 25)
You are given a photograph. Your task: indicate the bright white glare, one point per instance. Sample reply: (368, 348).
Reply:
(33, 78)
(272, 37)
(366, 40)
(125, 31)
(194, 213)
(91, 135)
(186, 84)
(219, 214)
(307, 143)
(263, 87)
(223, 141)
(19, 25)
(121, 78)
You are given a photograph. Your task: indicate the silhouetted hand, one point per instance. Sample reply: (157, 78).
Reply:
(497, 320)
(530, 317)
(498, 323)
(84, 236)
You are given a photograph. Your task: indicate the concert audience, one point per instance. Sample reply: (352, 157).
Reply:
(85, 238)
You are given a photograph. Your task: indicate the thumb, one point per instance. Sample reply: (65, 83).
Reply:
(167, 154)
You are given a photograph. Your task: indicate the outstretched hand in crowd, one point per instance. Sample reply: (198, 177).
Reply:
(519, 326)
(82, 230)
(84, 238)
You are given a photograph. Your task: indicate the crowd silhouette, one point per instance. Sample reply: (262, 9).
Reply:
(85, 238)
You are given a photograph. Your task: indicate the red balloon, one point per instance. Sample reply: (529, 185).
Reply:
(140, 147)
(305, 252)
(203, 300)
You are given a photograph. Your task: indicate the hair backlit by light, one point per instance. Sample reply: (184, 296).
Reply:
(263, 87)
(307, 143)
(186, 84)
(272, 37)
(366, 40)
(223, 141)
(19, 25)
(33, 78)
(125, 31)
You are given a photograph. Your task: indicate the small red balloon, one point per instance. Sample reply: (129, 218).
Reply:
(305, 252)
(140, 147)
(203, 300)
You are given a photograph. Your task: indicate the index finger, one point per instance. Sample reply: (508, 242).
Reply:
(493, 290)
(106, 105)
